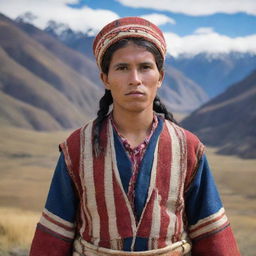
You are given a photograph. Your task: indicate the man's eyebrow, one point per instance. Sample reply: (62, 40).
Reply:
(120, 64)
(147, 63)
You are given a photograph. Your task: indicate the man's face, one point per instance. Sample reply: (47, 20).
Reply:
(133, 79)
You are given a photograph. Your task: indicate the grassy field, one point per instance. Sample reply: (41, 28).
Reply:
(27, 161)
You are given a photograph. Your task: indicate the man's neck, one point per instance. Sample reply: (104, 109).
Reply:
(134, 126)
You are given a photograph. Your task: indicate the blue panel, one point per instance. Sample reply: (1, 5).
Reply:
(127, 244)
(123, 162)
(141, 244)
(62, 200)
(202, 199)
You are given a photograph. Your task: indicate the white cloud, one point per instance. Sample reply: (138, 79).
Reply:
(204, 30)
(202, 40)
(45, 10)
(158, 19)
(209, 43)
(195, 7)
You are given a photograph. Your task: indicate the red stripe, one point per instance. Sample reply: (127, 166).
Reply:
(46, 242)
(192, 157)
(145, 225)
(57, 223)
(99, 177)
(73, 149)
(220, 243)
(180, 199)
(207, 223)
(163, 181)
(212, 230)
(123, 219)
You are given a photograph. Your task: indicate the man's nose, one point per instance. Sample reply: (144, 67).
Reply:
(134, 78)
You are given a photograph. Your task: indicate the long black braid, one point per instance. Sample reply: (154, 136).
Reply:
(104, 105)
(107, 99)
(160, 108)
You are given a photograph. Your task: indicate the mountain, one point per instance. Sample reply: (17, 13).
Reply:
(179, 93)
(81, 42)
(20, 114)
(215, 72)
(228, 121)
(31, 74)
(81, 63)
(53, 72)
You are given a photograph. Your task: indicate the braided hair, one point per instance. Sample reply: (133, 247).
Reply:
(107, 100)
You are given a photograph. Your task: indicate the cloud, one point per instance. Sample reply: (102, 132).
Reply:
(195, 7)
(158, 19)
(203, 39)
(212, 43)
(58, 10)
(204, 30)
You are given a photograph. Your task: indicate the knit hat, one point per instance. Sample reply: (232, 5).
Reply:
(124, 28)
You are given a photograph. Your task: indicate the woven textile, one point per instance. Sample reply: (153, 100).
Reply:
(124, 28)
(103, 196)
(136, 155)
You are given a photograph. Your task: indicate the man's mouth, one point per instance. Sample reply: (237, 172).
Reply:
(135, 93)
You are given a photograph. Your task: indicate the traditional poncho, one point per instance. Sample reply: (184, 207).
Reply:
(175, 197)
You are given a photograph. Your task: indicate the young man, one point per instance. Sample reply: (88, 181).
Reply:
(132, 182)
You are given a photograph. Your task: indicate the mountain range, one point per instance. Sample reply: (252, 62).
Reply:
(48, 76)
(213, 72)
(49, 81)
(228, 121)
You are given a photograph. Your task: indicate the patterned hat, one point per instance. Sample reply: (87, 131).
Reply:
(127, 27)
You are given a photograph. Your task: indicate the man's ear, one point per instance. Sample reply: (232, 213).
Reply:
(104, 79)
(161, 78)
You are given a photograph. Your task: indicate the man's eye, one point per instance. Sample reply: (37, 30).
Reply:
(121, 68)
(146, 67)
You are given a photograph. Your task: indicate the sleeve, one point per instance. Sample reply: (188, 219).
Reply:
(208, 226)
(56, 229)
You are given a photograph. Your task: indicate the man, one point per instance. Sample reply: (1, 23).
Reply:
(132, 182)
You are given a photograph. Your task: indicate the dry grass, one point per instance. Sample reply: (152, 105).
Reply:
(17, 228)
(235, 178)
(27, 161)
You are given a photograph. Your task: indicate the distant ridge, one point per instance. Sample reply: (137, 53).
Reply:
(229, 120)
(215, 72)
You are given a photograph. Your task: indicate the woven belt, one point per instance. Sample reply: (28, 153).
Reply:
(83, 248)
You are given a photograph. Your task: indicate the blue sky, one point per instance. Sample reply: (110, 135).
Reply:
(189, 26)
(233, 25)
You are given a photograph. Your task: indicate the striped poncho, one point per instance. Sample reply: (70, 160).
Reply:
(175, 197)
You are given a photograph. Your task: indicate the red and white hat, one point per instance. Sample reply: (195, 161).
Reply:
(124, 28)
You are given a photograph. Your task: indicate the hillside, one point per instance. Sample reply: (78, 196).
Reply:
(228, 121)
(17, 113)
(180, 93)
(32, 74)
(85, 66)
